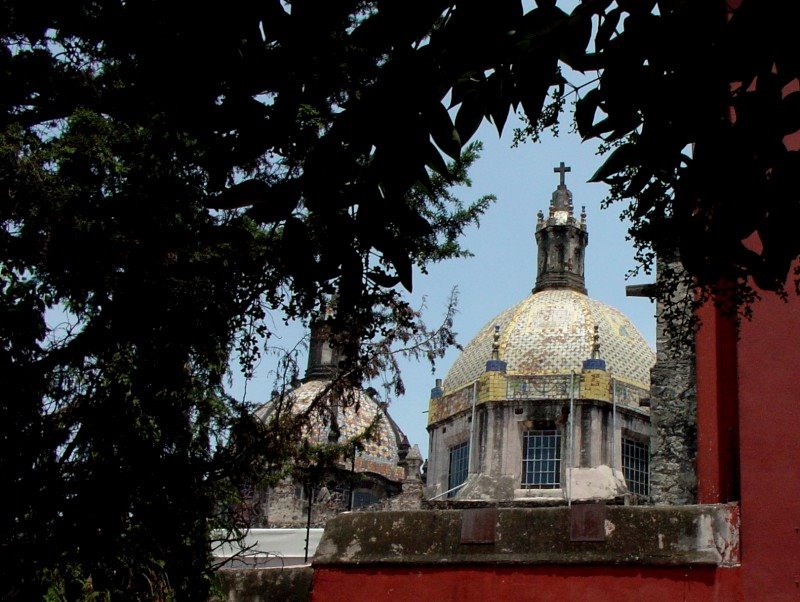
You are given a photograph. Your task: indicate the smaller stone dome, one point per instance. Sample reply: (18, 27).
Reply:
(381, 453)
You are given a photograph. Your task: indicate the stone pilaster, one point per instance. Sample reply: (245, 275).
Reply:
(673, 415)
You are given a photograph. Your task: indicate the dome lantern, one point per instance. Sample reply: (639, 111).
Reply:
(561, 241)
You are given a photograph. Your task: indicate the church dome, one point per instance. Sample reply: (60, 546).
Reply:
(380, 453)
(551, 332)
(549, 401)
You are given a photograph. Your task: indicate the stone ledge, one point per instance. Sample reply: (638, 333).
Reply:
(634, 535)
(456, 504)
(290, 584)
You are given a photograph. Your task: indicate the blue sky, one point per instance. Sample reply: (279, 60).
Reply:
(503, 269)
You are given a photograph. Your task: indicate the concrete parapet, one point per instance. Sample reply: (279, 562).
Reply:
(638, 535)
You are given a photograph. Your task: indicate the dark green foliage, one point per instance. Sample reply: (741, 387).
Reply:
(723, 87)
(168, 178)
(701, 100)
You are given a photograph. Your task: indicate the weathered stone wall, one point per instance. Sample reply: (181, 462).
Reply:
(289, 584)
(287, 504)
(673, 415)
(409, 499)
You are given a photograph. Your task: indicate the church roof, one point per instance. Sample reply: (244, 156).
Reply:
(551, 332)
(380, 454)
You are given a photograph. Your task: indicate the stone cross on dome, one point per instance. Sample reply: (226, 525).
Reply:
(562, 197)
(562, 170)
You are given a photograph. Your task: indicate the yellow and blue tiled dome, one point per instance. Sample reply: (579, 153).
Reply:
(551, 332)
(538, 403)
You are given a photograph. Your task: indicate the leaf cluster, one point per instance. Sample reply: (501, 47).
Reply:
(698, 104)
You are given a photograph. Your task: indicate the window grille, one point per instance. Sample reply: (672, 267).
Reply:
(636, 466)
(459, 466)
(541, 460)
(362, 498)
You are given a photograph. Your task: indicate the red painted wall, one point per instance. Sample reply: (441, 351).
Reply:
(768, 363)
(749, 390)
(561, 584)
(717, 407)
